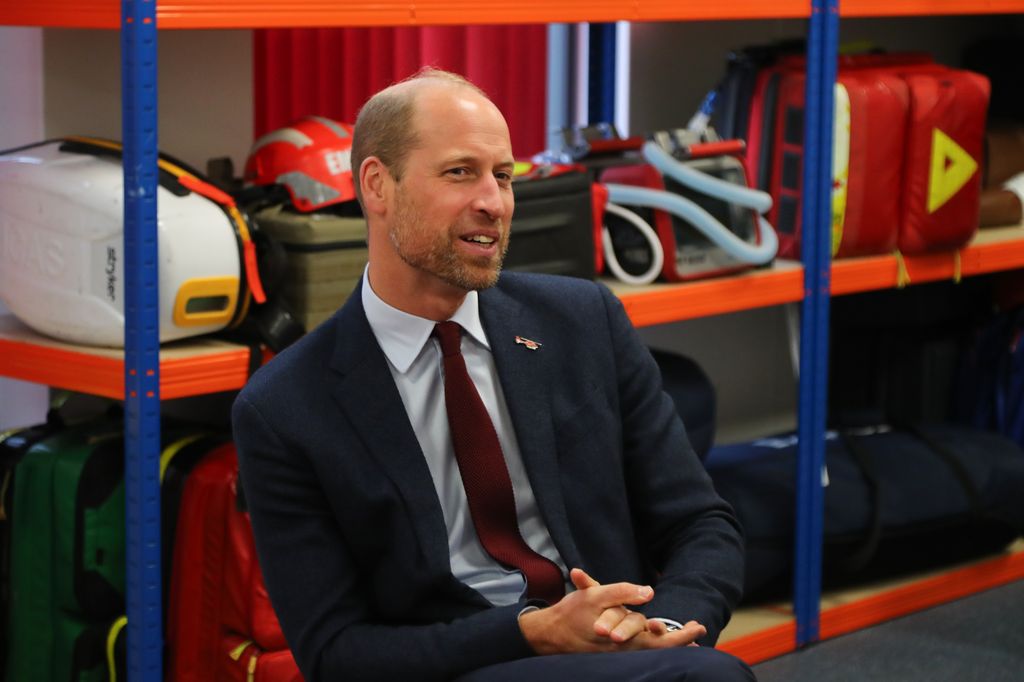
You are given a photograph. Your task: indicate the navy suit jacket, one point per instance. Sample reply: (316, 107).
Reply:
(349, 530)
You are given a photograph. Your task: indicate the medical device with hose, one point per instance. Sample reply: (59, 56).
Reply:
(691, 204)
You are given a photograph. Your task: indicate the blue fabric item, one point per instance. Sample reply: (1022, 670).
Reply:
(896, 500)
(990, 391)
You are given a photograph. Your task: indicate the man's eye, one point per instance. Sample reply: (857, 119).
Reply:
(458, 172)
(503, 178)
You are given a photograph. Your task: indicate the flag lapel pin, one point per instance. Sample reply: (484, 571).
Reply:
(532, 345)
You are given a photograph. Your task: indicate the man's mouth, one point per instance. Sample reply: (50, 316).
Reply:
(479, 239)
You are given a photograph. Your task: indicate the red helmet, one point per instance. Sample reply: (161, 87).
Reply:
(311, 158)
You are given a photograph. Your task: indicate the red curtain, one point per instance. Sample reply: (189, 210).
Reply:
(332, 71)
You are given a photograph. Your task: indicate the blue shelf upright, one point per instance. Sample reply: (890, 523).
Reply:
(601, 105)
(816, 251)
(142, 339)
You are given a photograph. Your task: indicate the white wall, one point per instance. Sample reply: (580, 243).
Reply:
(21, 122)
(204, 81)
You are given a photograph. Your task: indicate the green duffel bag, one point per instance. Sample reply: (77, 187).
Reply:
(67, 542)
(13, 446)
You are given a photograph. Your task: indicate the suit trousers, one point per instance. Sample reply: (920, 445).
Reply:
(682, 664)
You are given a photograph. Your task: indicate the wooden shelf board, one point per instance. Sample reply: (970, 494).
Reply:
(760, 633)
(187, 368)
(189, 14)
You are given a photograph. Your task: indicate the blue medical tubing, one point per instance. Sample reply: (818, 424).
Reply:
(816, 255)
(698, 217)
(705, 183)
(141, 340)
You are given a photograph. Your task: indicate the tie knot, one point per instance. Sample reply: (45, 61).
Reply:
(449, 334)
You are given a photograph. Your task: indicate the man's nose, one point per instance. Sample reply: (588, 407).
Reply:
(491, 199)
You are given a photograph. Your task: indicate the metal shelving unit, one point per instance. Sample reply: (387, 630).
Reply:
(147, 371)
(141, 340)
(822, 50)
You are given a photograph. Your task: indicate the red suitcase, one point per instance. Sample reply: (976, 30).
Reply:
(221, 625)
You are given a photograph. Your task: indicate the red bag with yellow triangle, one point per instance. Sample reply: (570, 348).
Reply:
(907, 148)
(942, 163)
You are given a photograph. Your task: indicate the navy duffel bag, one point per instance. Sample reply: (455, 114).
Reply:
(897, 500)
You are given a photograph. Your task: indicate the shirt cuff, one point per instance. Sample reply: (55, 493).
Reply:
(528, 609)
(672, 624)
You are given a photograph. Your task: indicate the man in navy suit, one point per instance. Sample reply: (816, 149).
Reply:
(374, 556)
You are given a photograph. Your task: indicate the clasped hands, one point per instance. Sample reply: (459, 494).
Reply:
(596, 618)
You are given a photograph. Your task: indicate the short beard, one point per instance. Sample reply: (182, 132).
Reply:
(440, 259)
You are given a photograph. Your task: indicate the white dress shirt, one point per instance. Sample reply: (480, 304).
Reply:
(414, 358)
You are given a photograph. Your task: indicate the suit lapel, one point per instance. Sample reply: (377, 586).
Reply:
(525, 376)
(367, 396)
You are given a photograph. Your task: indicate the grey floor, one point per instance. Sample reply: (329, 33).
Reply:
(978, 638)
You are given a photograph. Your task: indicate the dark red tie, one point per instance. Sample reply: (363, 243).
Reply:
(485, 474)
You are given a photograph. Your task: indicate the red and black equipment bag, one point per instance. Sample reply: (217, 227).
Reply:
(553, 224)
(908, 139)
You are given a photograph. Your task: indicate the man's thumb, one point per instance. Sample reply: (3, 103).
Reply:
(581, 579)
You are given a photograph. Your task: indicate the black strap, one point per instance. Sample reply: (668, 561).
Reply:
(873, 536)
(959, 471)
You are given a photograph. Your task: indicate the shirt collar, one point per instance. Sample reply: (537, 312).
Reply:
(402, 336)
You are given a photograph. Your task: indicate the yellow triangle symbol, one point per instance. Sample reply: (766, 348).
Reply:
(951, 168)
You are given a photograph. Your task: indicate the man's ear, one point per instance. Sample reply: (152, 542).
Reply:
(374, 182)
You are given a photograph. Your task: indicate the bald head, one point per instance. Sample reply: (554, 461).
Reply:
(386, 125)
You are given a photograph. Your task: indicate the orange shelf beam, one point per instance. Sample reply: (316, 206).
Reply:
(251, 13)
(887, 605)
(993, 250)
(224, 14)
(891, 8)
(186, 368)
(229, 14)
(61, 13)
(661, 303)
